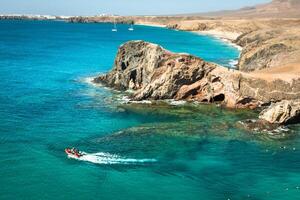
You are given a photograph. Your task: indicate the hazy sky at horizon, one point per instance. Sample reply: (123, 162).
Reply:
(120, 7)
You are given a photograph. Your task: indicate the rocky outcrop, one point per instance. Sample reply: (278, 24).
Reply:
(134, 65)
(273, 120)
(155, 73)
(283, 112)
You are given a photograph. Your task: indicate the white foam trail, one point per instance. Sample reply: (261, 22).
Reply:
(106, 158)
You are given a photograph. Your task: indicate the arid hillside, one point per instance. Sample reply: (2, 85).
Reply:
(274, 9)
(265, 43)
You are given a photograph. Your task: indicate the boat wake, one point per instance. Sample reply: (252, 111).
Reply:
(109, 159)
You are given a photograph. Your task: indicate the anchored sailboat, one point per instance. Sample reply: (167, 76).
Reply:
(115, 27)
(131, 28)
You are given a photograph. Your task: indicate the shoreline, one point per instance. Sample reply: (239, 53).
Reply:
(125, 99)
(226, 37)
(150, 24)
(229, 38)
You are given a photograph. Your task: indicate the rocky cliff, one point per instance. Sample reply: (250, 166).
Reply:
(266, 43)
(267, 48)
(155, 73)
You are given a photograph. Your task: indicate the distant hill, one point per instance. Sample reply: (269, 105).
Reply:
(274, 9)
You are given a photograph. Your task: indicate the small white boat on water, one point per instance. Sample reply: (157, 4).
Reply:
(131, 28)
(115, 27)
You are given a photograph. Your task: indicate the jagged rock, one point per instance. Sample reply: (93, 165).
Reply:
(155, 73)
(134, 65)
(283, 112)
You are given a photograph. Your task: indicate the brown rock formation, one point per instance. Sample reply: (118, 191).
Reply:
(155, 73)
(134, 64)
(282, 112)
(269, 47)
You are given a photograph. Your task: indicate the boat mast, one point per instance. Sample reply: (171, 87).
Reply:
(115, 26)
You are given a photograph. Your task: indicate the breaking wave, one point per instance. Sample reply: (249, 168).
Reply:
(233, 63)
(110, 159)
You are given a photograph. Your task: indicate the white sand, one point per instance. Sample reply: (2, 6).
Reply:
(151, 24)
(225, 36)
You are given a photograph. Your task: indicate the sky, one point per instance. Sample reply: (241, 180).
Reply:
(119, 7)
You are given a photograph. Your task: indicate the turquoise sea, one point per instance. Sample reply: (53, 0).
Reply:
(159, 151)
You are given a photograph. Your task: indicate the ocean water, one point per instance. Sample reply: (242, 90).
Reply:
(158, 151)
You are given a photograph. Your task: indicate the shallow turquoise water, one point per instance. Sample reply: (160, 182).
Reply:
(161, 152)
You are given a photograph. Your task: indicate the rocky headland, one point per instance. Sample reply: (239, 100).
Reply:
(152, 72)
(267, 74)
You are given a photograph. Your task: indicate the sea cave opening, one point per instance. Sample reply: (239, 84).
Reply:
(219, 98)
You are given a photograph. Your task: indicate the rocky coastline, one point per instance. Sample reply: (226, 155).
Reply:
(265, 43)
(153, 73)
(33, 17)
(268, 70)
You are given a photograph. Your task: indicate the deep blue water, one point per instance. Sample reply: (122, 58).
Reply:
(135, 152)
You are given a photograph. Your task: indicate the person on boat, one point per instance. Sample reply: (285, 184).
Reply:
(73, 151)
(77, 153)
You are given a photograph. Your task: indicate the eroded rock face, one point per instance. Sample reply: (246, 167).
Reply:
(155, 73)
(283, 112)
(269, 48)
(134, 65)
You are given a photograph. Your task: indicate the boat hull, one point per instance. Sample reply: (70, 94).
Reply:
(72, 154)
